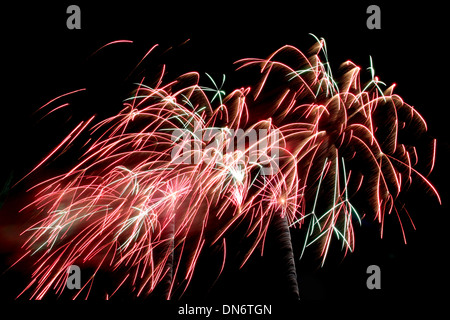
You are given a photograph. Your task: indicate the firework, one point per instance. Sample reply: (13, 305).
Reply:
(160, 180)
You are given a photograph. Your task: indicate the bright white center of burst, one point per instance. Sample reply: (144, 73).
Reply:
(143, 213)
(238, 175)
(170, 99)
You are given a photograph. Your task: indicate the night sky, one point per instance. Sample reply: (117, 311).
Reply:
(43, 59)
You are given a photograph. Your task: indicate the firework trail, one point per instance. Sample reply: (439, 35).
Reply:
(143, 204)
(350, 142)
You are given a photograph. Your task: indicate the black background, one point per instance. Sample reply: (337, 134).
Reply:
(42, 59)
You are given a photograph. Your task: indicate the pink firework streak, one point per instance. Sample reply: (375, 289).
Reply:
(130, 207)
